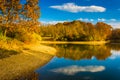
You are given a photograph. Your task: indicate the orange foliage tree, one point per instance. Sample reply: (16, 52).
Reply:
(16, 18)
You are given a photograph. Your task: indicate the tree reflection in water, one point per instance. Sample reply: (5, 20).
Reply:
(78, 52)
(82, 62)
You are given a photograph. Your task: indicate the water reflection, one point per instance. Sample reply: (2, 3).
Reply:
(72, 70)
(114, 46)
(83, 62)
(78, 52)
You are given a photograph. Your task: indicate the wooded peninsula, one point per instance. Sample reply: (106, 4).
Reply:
(80, 31)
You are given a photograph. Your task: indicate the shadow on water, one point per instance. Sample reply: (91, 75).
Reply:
(114, 46)
(7, 53)
(78, 52)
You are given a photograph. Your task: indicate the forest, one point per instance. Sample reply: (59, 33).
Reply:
(80, 31)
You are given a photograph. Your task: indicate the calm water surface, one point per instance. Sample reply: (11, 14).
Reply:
(83, 62)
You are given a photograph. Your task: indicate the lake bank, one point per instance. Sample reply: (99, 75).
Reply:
(75, 42)
(22, 64)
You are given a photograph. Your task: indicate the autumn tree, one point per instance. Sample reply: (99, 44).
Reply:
(78, 31)
(31, 10)
(31, 14)
(104, 30)
(9, 13)
(90, 32)
(19, 20)
(115, 35)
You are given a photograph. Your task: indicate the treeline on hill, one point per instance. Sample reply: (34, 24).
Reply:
(78, 31)
(19, 21)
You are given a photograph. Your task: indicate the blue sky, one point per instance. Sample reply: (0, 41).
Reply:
(53, 11)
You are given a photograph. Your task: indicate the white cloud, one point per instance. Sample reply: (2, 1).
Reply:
(114, 24)
(91, 20)
(101, 19)
(72, 70)
(72, 7)
(81, 19)
(52, 22)
(113, 20)
(86, 19)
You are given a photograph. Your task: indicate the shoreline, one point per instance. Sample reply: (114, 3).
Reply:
(75, 42)
(32, 57)
(22, 64)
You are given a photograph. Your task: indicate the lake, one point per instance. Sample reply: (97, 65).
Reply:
(83, 62)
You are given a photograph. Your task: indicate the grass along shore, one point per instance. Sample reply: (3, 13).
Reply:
(75, 42)
(32, 57)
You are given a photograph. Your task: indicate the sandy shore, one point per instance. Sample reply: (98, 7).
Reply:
(75, 42)
(17, 66)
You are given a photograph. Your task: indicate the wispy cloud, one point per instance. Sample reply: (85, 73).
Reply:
(72, 70)
(98, 20)
(72, 7)
(113, 20)
(114, 24)
(53, 22)
(86, 19)
(101, 19)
